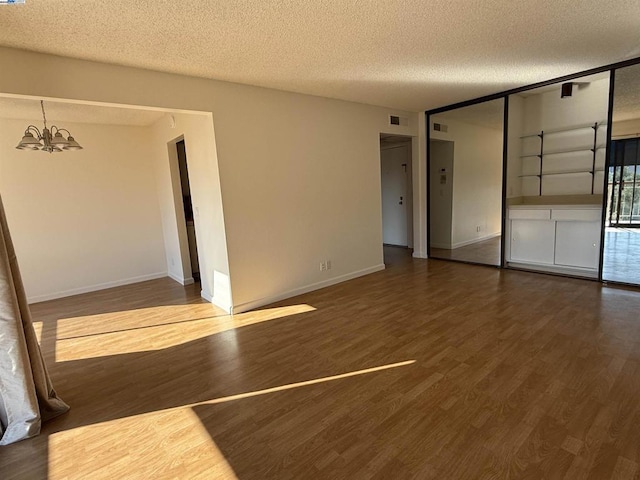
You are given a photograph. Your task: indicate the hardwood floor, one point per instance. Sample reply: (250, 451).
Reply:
(486, 252)
(428, 370)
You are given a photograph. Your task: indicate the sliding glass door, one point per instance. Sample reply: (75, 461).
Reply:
(623, 206)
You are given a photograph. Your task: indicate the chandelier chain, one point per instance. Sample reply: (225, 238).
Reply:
(43, 114)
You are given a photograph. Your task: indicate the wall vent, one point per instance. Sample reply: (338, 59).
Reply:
(396, 120)
(439, 127)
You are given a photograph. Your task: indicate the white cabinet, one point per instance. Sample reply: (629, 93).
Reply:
(532, 241)
(561, 239)
(577, 244)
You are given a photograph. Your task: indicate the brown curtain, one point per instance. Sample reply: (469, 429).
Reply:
(27, 396)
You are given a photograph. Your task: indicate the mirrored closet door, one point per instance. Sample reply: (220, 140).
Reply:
(465, 172)
(621, 257)
(555, 176)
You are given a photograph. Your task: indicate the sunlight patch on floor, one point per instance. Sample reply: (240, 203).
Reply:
(151, 445)
(159, 337)
(305, 383)
(169, 443)
(131, 319)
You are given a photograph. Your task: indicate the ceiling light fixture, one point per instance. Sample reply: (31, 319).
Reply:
(47, 140)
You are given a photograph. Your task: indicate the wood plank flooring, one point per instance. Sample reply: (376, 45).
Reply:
(486, 252)
(427, 370)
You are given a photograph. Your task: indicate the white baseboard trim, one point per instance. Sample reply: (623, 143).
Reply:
(475, 240)
(180, 280)
(419, 255)
(213, 300)
(559, 269)
(244, 307)
(95, 288)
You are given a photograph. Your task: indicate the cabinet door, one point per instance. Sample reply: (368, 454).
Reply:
(532, 241)
(578, 244)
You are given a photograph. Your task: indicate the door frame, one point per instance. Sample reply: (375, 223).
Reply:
(411, 207)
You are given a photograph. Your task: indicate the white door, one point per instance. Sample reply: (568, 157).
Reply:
(395, 162)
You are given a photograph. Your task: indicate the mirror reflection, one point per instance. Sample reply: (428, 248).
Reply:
(622, 216)
(555, 176)
(465, 171)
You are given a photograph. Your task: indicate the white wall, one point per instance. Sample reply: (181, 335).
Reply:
(514, 146)
(547, 110)
(419, 185)
(477, 180)
(300, 175)
(82, 220)
(198, 134)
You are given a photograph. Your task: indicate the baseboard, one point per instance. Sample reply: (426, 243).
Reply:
(226, 306)
(581, 272)
(475, 240)
(180, 280)
(206, 296)
(244, 307)
(95, 288)
(419, 255)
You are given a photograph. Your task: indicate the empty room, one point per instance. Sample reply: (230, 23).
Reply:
(319, 240)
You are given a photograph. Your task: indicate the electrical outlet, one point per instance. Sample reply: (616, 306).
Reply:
(478, 228)
(323, 266)
(328, 264)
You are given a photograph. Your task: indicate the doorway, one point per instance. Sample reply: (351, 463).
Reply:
(188, 209)
(397, 191)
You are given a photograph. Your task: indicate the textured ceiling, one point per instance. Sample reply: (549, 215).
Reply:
(27, 109)
(626, 99)
(411, 54)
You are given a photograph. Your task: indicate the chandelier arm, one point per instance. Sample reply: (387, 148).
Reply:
(33, 127)
(60, 130)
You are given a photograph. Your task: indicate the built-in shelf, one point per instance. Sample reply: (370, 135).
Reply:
(568, 150)
(565, 172)
(593, 148)
(564, 129)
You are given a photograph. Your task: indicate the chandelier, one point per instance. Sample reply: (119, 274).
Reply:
(47, 140)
